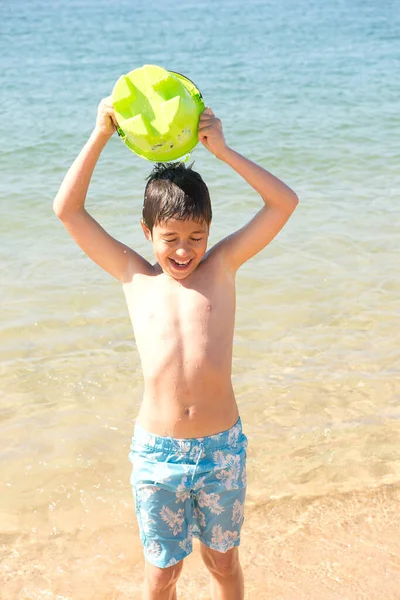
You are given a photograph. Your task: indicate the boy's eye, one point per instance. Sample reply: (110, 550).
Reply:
(169, 241)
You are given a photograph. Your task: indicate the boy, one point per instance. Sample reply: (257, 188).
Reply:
(188, 450)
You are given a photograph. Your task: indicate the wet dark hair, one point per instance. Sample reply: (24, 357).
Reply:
(174, 191)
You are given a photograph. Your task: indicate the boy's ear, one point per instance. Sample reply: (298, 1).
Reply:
(146, 230)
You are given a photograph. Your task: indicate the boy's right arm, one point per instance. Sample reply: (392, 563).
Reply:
(69, 205)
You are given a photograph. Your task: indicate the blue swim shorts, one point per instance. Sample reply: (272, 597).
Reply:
(188, 487)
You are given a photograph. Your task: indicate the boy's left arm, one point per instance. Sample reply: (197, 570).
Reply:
(279, 200)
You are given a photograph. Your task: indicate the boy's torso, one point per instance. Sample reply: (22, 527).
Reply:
(184, 335)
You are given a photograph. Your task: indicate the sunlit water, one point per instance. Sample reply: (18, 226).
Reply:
(308, 90)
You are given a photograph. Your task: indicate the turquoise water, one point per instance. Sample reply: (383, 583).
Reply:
(310, 91)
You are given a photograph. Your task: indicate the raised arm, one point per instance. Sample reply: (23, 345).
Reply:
(279, 200)
(69, 205)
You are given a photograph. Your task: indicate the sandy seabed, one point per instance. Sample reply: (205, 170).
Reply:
(344, 546)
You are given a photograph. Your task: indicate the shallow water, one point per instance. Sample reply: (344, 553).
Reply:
(312, 96)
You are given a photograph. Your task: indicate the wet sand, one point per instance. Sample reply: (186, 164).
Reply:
(344, 546)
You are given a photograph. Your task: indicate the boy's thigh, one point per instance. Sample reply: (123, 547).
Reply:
(219, 499)
(164, 523)
(164, 508)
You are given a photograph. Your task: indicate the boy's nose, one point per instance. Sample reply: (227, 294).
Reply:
(182, 252)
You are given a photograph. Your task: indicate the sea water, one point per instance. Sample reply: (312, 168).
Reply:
(310, 91)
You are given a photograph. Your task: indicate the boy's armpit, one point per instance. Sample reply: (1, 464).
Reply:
(240, 246)
(111, 255)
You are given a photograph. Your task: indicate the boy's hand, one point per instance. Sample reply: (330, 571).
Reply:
(211, 134)
(106, 123)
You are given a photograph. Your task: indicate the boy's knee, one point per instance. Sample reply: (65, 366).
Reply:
(220, 564)
(162, 579)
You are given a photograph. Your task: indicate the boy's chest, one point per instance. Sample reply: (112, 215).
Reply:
(166, 307)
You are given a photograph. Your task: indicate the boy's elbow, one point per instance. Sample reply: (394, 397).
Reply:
(293, 201)
(60, 210)
(58, 207)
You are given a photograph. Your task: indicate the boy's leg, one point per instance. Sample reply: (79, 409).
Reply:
(220, 492)
(226, 573)
(160, 584)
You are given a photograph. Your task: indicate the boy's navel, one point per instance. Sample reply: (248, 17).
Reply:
(189, 411)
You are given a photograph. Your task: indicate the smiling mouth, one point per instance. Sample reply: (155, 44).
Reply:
(181, 265)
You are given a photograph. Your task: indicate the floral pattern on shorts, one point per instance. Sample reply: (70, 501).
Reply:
(186, 488)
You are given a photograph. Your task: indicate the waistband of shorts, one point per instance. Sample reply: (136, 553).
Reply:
(230, 437)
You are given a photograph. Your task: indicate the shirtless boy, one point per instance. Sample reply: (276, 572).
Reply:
(188, 450)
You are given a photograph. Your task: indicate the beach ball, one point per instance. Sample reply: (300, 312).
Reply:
(157, 112)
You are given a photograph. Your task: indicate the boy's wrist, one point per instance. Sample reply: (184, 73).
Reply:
(225, 153)
(100, 135)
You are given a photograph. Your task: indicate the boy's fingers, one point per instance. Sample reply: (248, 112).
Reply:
(210, 124)
(107, 103)
(109, 109)
(208, 111)
(206, 118)
(203, 129)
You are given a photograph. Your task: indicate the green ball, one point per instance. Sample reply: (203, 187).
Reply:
(157, 112)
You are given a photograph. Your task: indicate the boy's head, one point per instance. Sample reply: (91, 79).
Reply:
(176, 217)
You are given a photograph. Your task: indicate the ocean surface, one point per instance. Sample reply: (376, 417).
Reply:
(310, 90)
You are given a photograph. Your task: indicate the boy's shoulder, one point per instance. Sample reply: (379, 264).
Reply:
(210, 274)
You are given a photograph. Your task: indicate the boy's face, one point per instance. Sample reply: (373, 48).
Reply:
(178, 245)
